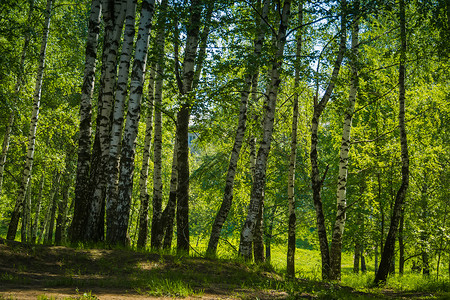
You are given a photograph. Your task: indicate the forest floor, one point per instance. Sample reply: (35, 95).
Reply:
(57, 272)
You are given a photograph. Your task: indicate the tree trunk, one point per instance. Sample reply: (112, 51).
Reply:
(169, 211)
(257, 194)
(121, 214)
(7, 136)
(48, 238)
(143, 194)
(62, 214)
(258, 238)
(203, 42)
(81, 202)
(157, 226)
(26, 217)
(401, 245)
(356, 257)
(425, 230)
(5, 147)
(316, 180)
(252, 70)
(186, 97)
(363, 261)
(290, 262)
(62, 205)
(388, 251)
(338, 229)
(114, 12)
(15, 215)
(37, 212)
(118, 114)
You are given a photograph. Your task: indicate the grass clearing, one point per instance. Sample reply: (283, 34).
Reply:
(165, 274)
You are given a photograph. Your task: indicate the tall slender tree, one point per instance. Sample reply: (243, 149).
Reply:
(157, 228)
(257, 194)
(118, 113)
(290, 265)
(389, 245)
(186, 100)
(15, 216)
(338, 229)
(81, 201)
(119, 225)
(316, 179)
(18, 85)
(251, 72)
(143, 179)
(113, 16)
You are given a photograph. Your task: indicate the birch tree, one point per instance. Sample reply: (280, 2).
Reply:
(113, 16)
(118, 113)
(157, 233)
(257, 194)
(17, 87)
(143, 179)
(15, 215)
(316, 179)
(389, 245)
(81, 201)
(183, 116)
(119, 224)
(290, 264)
(338, 229)
(252, 70)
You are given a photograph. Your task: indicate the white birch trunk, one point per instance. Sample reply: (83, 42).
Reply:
(5, 148)
(81, 201)
(143, 180)
(338, 229)
(118, 113)
(157, 228)
(120, 222)
(257, 194)
(252, 71)
(316, 180)
(7, 136)
(113, 14)
(37, 212)
(12, 229)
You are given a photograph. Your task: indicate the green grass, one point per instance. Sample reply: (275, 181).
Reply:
(168, 274)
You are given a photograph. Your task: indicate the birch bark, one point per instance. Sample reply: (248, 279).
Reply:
(5, 148)
(389, 246)
(81, 201)
(290, 264)
(37, 212)
(118, 113)
(120, 221)
(338, 229)
(15, 215)
(257, 194)
(157, 228)
(113, 15)
(316, 180)
(7, 136)
(143, 194)
(252, 70)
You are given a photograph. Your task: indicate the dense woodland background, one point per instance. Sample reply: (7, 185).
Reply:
(72, 170)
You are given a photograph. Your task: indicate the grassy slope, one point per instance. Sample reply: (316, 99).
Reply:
(155, 274)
